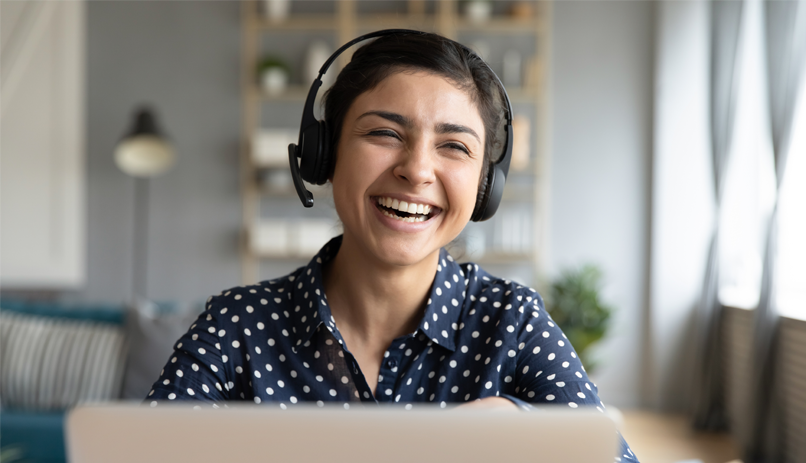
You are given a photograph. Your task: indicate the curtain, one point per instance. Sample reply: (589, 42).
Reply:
(726, 18)
(785, 35)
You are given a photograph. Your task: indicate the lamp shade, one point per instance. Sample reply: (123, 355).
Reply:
(144, 152)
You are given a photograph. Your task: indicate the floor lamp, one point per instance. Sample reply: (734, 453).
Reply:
(143, 153)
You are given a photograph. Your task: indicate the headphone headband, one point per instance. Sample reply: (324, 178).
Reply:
(314, 153)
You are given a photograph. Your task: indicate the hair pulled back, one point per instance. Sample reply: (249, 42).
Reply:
(403, 52)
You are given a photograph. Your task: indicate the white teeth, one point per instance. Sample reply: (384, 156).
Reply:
(404, 206)
(405, 219)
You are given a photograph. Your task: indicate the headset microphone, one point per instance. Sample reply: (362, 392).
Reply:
(314, 152)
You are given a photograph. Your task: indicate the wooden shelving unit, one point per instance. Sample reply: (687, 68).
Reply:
(347, 19)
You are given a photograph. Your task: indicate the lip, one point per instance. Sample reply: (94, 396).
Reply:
(408, 227)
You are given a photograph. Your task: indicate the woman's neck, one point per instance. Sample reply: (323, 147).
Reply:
(375, 301)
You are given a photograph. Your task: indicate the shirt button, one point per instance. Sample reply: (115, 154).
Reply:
(391, 363)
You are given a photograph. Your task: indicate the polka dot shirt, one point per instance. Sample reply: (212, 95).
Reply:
(277, 342)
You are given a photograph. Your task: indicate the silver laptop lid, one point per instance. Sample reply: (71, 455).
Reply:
(132, 433)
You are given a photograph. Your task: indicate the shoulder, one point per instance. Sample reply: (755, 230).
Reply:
(499, 294)
(266, 299)
(500, 301)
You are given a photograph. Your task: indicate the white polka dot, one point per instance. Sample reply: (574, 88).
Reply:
(560, 384)
(205, 388)
(525, 369)
(551, 356)
(238, 297)
(236, 344)
(179, 373)
(238, 369)
(511, 353)
(214, 368)
(269, 391)
(250, 309)
(280, 383)
(235, 319)
(221, 333)
(488, 384)
(202, 351)
(171, 396)
(580, 395)
(550, 397)
(572, 405)
(536, 350)
(257, 400)
(260, 325)
(190, 391)
(388, 392)
(565, 364)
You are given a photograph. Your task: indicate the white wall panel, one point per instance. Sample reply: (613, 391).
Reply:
(42, 210)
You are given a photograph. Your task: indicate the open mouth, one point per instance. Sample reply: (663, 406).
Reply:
(404, 211)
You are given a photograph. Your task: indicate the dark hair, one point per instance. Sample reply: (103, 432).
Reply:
(380, 58)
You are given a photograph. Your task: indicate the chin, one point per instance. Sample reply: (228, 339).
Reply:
(403, 254)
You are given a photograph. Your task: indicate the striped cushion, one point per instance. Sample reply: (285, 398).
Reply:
(53, 364)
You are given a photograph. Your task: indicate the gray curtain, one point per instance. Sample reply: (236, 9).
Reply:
(726, 18)
(785, 34)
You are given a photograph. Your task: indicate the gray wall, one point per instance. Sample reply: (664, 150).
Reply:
(600, 168)
(183, 57)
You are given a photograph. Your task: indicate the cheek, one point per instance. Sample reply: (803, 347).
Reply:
(463, 186)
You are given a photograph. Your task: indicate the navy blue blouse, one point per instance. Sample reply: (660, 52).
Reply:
(277, 342)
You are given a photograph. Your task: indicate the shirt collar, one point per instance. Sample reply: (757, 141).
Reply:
(442, 311)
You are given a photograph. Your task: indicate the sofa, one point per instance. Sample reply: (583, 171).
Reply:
(55, 356)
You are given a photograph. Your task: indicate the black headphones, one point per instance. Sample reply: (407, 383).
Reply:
(314, 149)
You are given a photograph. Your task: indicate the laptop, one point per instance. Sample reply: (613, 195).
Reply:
(177, 433)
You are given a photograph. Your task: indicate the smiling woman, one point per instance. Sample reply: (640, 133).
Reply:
(384, 313)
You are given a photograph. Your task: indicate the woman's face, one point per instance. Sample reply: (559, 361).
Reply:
(414, 141)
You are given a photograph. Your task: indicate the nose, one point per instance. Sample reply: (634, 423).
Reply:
(417, 164)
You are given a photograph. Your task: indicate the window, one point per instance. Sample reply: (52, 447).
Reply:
(791, 271)
(750, 177)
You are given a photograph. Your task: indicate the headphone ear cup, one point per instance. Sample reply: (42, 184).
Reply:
(482, 197)
(487, 201)
(323, 160)
(309, 153)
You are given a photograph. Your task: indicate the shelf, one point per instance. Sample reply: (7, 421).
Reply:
(501, 25)
(495, 258)
(299, 23)
(293, 93)
(298, 93)
(283, 237)
(395, 21)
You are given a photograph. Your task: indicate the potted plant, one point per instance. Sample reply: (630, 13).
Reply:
(273, 74)
(574, 303)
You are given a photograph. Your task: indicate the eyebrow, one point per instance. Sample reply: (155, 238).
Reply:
(442, 128)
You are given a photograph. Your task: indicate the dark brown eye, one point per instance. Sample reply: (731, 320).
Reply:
(384, 133)
(457, 147)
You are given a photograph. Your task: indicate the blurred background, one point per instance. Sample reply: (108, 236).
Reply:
(659, 178)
